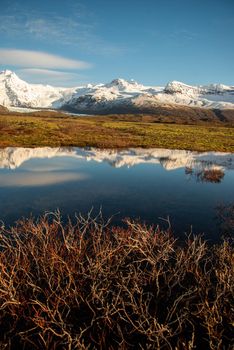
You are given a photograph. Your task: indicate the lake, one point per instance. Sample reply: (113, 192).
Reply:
(148, 184)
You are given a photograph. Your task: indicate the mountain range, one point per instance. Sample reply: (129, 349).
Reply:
(118, 96)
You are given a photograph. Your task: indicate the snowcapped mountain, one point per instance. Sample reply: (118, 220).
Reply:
(16, 92)
(215, 89)
(121, 96)
(210, 96)
(118, 96)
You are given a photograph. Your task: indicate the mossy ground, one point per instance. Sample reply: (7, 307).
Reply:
(56, 129)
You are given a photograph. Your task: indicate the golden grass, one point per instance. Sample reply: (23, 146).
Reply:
(56, 129)
(88, 285)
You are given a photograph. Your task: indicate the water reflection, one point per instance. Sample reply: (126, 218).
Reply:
(13, 158)
(38, 179)
(138, 183)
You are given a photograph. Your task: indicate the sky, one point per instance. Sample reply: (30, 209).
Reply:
(75, 42)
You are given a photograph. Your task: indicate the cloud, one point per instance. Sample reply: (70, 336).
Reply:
(70, 32)
(26, 58)
(47, 76)
(78, 30)
(47, 72)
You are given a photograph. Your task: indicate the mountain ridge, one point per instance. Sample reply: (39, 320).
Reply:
(118, 96)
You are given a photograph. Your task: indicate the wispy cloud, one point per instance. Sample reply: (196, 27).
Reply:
(47, 72)
(78, 29)
(47, 76)
(27, 58)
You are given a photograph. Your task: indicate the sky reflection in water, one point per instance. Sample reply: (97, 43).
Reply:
(146, 184)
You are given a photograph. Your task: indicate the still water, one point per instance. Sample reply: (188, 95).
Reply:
(138, 183)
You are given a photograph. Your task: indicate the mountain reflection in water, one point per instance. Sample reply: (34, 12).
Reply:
(139, 183)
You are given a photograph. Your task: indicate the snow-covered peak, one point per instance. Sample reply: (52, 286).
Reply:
(126, 85)
(174, 87)
(18, 93)
(178, 87)
(6, 73)
(7, 76)
(217, 88)
(10, 78)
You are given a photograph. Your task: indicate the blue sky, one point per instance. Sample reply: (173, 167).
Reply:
(71, 42)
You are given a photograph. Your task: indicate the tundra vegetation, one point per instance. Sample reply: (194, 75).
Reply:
(55, 129)
(85, 284)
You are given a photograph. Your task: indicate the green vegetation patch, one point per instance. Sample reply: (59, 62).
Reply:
(51, 129)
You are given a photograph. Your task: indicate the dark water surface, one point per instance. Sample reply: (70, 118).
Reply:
(137, 183)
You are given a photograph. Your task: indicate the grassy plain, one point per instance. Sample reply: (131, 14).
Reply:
(57, 129)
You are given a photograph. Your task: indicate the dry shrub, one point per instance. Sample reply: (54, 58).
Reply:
(211, 175)
(87, 285)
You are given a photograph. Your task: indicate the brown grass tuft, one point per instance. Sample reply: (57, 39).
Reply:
(87, 285)
(211, 175)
